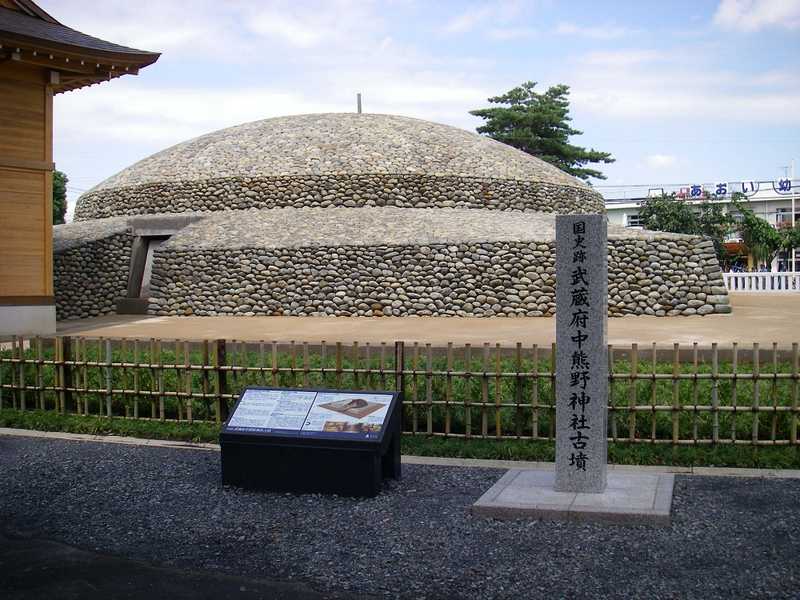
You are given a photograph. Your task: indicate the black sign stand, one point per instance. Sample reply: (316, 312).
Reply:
(343, 463)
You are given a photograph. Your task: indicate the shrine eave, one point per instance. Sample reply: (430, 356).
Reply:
(74, 59)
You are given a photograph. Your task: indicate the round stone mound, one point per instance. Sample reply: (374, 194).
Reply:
(353, 215)
(340, 159)
(338, 144)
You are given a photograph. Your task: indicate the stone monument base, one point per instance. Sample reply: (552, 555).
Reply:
(629, 499)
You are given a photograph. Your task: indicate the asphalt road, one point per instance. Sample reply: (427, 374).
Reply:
(32, 568)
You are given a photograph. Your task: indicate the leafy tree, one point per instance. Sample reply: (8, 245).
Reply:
(668, 213)
(539, 125)
(763, 241)
(675, 215)
(715, 223)
(791, 237)
(59, 197)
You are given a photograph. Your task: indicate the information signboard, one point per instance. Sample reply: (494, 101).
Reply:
(302, 440)
(344, 415)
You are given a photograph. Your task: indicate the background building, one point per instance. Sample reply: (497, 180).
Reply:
(773, 201)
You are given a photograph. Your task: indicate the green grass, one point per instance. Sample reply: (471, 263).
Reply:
(779, 457)
(765, 457)
(154, 430)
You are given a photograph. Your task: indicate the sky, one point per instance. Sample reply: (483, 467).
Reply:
(678, 91)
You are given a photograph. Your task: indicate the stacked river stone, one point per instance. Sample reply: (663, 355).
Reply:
(357, 214)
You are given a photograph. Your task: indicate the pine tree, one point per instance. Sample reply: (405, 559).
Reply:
(539, 125)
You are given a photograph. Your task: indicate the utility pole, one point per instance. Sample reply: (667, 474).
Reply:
(358, 102)
(794, 250)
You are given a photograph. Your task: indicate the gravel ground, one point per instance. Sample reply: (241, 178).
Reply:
(730, 538)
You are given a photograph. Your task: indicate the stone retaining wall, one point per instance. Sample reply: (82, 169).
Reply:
(661, 276)
(89, 277)
(408, 191)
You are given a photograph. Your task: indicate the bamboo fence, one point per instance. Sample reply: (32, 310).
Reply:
(678, 395)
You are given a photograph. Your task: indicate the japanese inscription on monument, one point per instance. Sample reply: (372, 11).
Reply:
(581, 353)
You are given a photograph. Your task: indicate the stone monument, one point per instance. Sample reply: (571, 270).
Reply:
(581, 353)
(579, 488)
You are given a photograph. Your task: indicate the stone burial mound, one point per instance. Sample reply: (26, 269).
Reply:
(353, 215)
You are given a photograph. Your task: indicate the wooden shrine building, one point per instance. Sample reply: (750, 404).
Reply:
(39, 57)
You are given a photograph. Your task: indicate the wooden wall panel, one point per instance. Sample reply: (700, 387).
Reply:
(25, 233)
(47, 222)
(25, 181)
(23, 119)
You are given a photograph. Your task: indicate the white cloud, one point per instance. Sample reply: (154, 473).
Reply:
(152, 25)
(597, 32)
(622, 58)
(510, 33)
(296, 32)
(228, 31)
(660, 161)
(683, 84)
(308, 25)
(468, 20)
(161, 116)
(496, 20)
(754, 15)
(637, 101)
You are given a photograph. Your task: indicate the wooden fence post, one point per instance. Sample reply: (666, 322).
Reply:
(612, 410)
(399, 366)
(136, 376)
(39, 380)
(222, 380)
(715, 392)
(153, 377)
(756, 392)
(676, 393)
(429, 388)
(22, 381)
(21, 366)
(160, 381)
(467, 394)
(187, 373)
(66, 373)
(794, 417)
(632, 401)
(108, 377)
(14, 372)
(518, 388)
(204, 379)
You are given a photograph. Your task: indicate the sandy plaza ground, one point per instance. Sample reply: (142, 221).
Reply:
(762, 318)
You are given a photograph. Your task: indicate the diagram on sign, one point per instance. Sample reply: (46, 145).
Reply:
(348, 413)
(357, 407)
